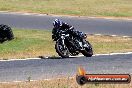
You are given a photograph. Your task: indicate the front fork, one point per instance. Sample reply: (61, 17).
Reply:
(83, 44)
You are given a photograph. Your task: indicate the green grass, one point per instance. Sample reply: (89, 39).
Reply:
(117, 8)
(27, 43)
(107, 44)
(34, 43)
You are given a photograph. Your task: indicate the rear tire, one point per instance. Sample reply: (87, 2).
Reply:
(58, 50)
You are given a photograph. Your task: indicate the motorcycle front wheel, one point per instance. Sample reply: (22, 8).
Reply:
(63, 52)
(88, 51)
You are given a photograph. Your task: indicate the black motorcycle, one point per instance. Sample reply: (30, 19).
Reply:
(68, 45)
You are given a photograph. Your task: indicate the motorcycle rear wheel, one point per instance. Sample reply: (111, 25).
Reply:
(64, 53)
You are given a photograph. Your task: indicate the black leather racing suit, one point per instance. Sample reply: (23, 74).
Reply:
(65, 27)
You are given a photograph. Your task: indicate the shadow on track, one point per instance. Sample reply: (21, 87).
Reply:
(56, 57)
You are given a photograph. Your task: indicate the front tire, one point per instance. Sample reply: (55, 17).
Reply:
(64, 53)
(88, 51)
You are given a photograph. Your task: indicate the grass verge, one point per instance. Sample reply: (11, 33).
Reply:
(60, 83)
(34, 43)
(27, 43)
(117, 8)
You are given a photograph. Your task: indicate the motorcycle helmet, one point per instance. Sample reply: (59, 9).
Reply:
(57, 23)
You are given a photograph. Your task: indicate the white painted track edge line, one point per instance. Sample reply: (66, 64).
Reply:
(53, 15)
(126, 53)
(36, 80)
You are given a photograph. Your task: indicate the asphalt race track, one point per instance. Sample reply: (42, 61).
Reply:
(51, 68)
(89, 25)
(20, 70)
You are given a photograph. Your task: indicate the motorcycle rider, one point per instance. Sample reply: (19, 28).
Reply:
(59, 25)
